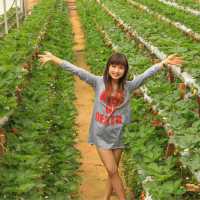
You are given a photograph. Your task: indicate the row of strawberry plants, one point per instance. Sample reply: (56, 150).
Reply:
(122, 43)
(186, 112)
(41, 161)
(167, 38)
(174, 14)
(163, 178)
(18, 47)
(62, 182)
(188, 6)
(180, 26)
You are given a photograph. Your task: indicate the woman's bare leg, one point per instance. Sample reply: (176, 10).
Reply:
(109, 189)
(108, 159)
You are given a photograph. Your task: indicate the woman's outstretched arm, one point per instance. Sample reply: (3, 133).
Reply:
(82, 73)
(139, 80)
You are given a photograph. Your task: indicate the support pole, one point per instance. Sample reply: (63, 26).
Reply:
(5, 17)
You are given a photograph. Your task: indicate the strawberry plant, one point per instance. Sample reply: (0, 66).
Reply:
(16, 48)
(40, 160)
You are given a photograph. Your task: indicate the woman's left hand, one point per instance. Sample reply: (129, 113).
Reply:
(173, 60)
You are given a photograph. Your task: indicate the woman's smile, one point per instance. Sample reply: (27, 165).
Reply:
(116, 71)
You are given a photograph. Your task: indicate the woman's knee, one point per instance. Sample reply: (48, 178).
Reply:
(112, 170)
(108, 159)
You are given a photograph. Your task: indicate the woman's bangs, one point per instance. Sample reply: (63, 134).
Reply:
(117, 60)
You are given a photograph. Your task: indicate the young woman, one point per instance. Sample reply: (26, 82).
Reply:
(111, 109)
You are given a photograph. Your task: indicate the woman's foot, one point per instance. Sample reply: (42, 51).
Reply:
(108, 197)
(113, 193)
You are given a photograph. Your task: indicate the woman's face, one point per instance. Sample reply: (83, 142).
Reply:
(116, 71)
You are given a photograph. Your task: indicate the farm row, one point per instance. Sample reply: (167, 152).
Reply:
(39, 159)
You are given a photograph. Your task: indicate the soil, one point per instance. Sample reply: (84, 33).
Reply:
(31, 3)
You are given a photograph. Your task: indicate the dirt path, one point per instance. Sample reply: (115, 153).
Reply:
(31, 3)
(92, 170)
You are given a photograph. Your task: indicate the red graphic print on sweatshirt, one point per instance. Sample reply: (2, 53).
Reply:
(107, 118)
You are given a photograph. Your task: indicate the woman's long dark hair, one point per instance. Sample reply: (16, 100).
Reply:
(117, 59)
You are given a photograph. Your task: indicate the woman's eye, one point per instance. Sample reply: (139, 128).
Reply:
(119, 66)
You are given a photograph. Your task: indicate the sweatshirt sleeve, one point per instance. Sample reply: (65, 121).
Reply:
(82, 73)
(139, 80)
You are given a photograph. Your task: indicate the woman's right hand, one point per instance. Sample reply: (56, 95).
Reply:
(47, 56)
(173, 59)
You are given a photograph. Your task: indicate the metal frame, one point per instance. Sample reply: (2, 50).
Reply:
(19, 4)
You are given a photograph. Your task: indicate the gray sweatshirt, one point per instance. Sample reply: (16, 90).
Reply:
(106, 126)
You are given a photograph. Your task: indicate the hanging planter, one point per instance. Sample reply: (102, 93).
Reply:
(170, 75)
(182, 90)
(198, 101)
(157, 123)
(2, 149)
(142, 196)
(170, 150)
(2, 136)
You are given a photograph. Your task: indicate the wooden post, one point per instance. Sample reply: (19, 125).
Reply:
(2, 142)
(2, 136)
(198, 101)
(5, 17)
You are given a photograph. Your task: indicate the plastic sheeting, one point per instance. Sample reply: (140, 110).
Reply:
(9, 3)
